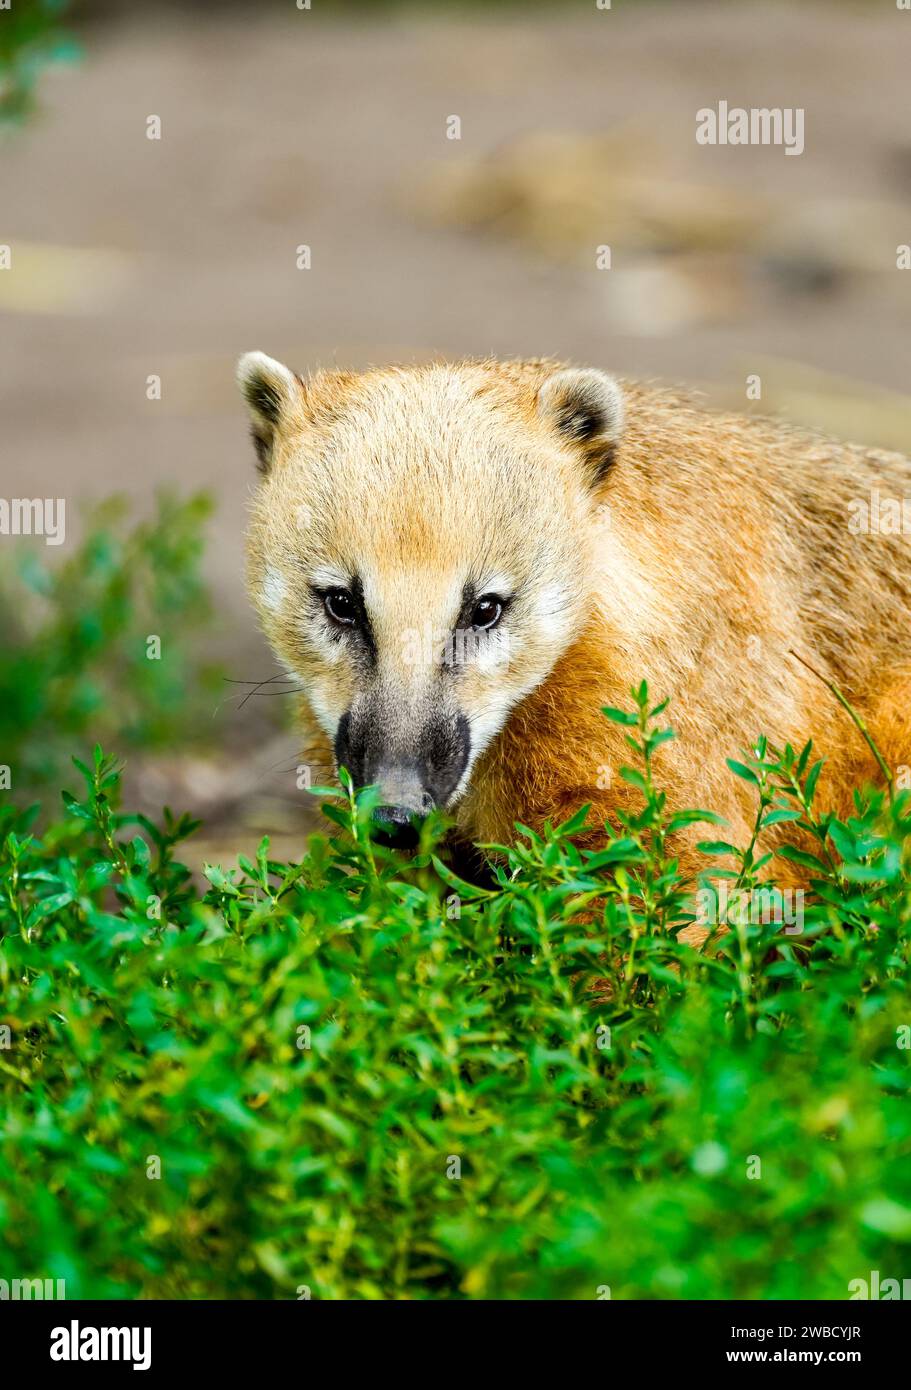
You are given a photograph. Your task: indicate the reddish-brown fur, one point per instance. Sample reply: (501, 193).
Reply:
(712, 548)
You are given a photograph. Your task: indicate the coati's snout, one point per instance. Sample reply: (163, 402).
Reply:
(415, 771)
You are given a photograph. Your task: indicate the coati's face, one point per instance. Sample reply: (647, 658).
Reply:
(418, 553)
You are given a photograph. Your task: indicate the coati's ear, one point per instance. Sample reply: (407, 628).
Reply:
(585, 406)
(273, 395)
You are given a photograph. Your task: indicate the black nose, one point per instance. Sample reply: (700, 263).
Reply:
(421, 776)
(396, 826)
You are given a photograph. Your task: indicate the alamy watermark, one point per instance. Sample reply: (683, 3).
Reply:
(878, 1288)
(19, 1290)
(879, 515)
(756, 125)
(751, 906)
(34, 516)
(465, 646)
(81, 1343)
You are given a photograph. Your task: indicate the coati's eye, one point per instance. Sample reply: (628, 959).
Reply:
(340, 606)
(487, 612)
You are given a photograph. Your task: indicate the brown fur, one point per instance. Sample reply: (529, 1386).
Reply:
(709, 549)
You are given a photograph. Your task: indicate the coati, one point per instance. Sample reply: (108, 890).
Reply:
(461, 563)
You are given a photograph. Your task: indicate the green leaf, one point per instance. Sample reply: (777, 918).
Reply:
(800, 856)
(620, 716)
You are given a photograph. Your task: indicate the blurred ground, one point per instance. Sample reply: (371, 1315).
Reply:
(280, 127)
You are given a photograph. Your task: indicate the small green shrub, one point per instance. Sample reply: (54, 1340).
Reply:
(31, 38)
(360, 1075)
(77, 660)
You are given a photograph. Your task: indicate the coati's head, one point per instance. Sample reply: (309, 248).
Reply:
(418, 553)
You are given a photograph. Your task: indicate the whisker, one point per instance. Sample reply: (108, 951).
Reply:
(259, 691)
(234, 680)
(257, 686)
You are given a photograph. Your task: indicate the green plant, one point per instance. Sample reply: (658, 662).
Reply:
(78, 641)
(362, 1077)
(31, 38)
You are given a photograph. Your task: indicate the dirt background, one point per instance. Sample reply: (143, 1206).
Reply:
(327, 127)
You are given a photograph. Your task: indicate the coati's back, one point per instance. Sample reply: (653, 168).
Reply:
(788, 531)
